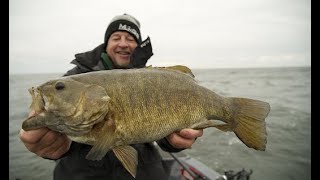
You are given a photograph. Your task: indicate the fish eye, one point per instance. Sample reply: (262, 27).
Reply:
(59, 86)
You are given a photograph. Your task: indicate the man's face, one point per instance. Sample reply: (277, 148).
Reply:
(120, 47)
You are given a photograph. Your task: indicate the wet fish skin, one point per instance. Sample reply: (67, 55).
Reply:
(113, 109)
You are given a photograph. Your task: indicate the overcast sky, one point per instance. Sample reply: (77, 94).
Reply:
(44, 35)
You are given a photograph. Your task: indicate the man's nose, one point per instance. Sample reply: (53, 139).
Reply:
(123, 43)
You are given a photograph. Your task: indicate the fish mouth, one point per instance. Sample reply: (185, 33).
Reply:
(43, 119)
(38, 111)
(38, 101)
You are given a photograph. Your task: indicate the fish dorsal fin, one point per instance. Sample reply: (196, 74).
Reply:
(180, 68)
(128, 156)
(104, 142)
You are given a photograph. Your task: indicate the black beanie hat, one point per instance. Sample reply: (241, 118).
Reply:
(125, 23)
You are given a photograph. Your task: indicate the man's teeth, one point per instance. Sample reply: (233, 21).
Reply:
(124, 53)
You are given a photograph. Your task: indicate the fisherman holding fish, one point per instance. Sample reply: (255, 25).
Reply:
(123, 48)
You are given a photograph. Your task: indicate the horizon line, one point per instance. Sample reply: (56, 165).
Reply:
(262, 67)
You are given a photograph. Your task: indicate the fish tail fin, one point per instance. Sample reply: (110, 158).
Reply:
(249, 122)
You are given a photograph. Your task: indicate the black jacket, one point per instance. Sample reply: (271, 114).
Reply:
(74, 166)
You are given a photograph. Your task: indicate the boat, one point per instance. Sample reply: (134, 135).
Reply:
(184, 167)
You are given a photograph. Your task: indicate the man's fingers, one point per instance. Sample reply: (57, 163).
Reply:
(191, 133)
(54, 151)
(179, 142)
(32, 136)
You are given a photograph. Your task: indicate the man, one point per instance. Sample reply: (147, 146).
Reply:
(122, 48)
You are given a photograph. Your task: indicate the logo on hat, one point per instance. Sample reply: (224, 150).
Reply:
(129, 29)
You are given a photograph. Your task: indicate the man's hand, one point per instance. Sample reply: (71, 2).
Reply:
(45, 142)
(185, 138)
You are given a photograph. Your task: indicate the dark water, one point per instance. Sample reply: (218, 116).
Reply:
(288, 153)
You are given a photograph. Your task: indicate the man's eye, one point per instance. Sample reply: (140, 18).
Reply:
(130, 39)
(116, 38)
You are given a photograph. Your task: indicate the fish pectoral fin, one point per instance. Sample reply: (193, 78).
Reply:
(212, 123)
(99, 150)
(128, 156)
(103, 143)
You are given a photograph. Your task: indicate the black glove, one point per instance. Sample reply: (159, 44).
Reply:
(141, 54)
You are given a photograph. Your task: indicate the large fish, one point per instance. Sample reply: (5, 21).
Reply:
(112, 109)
